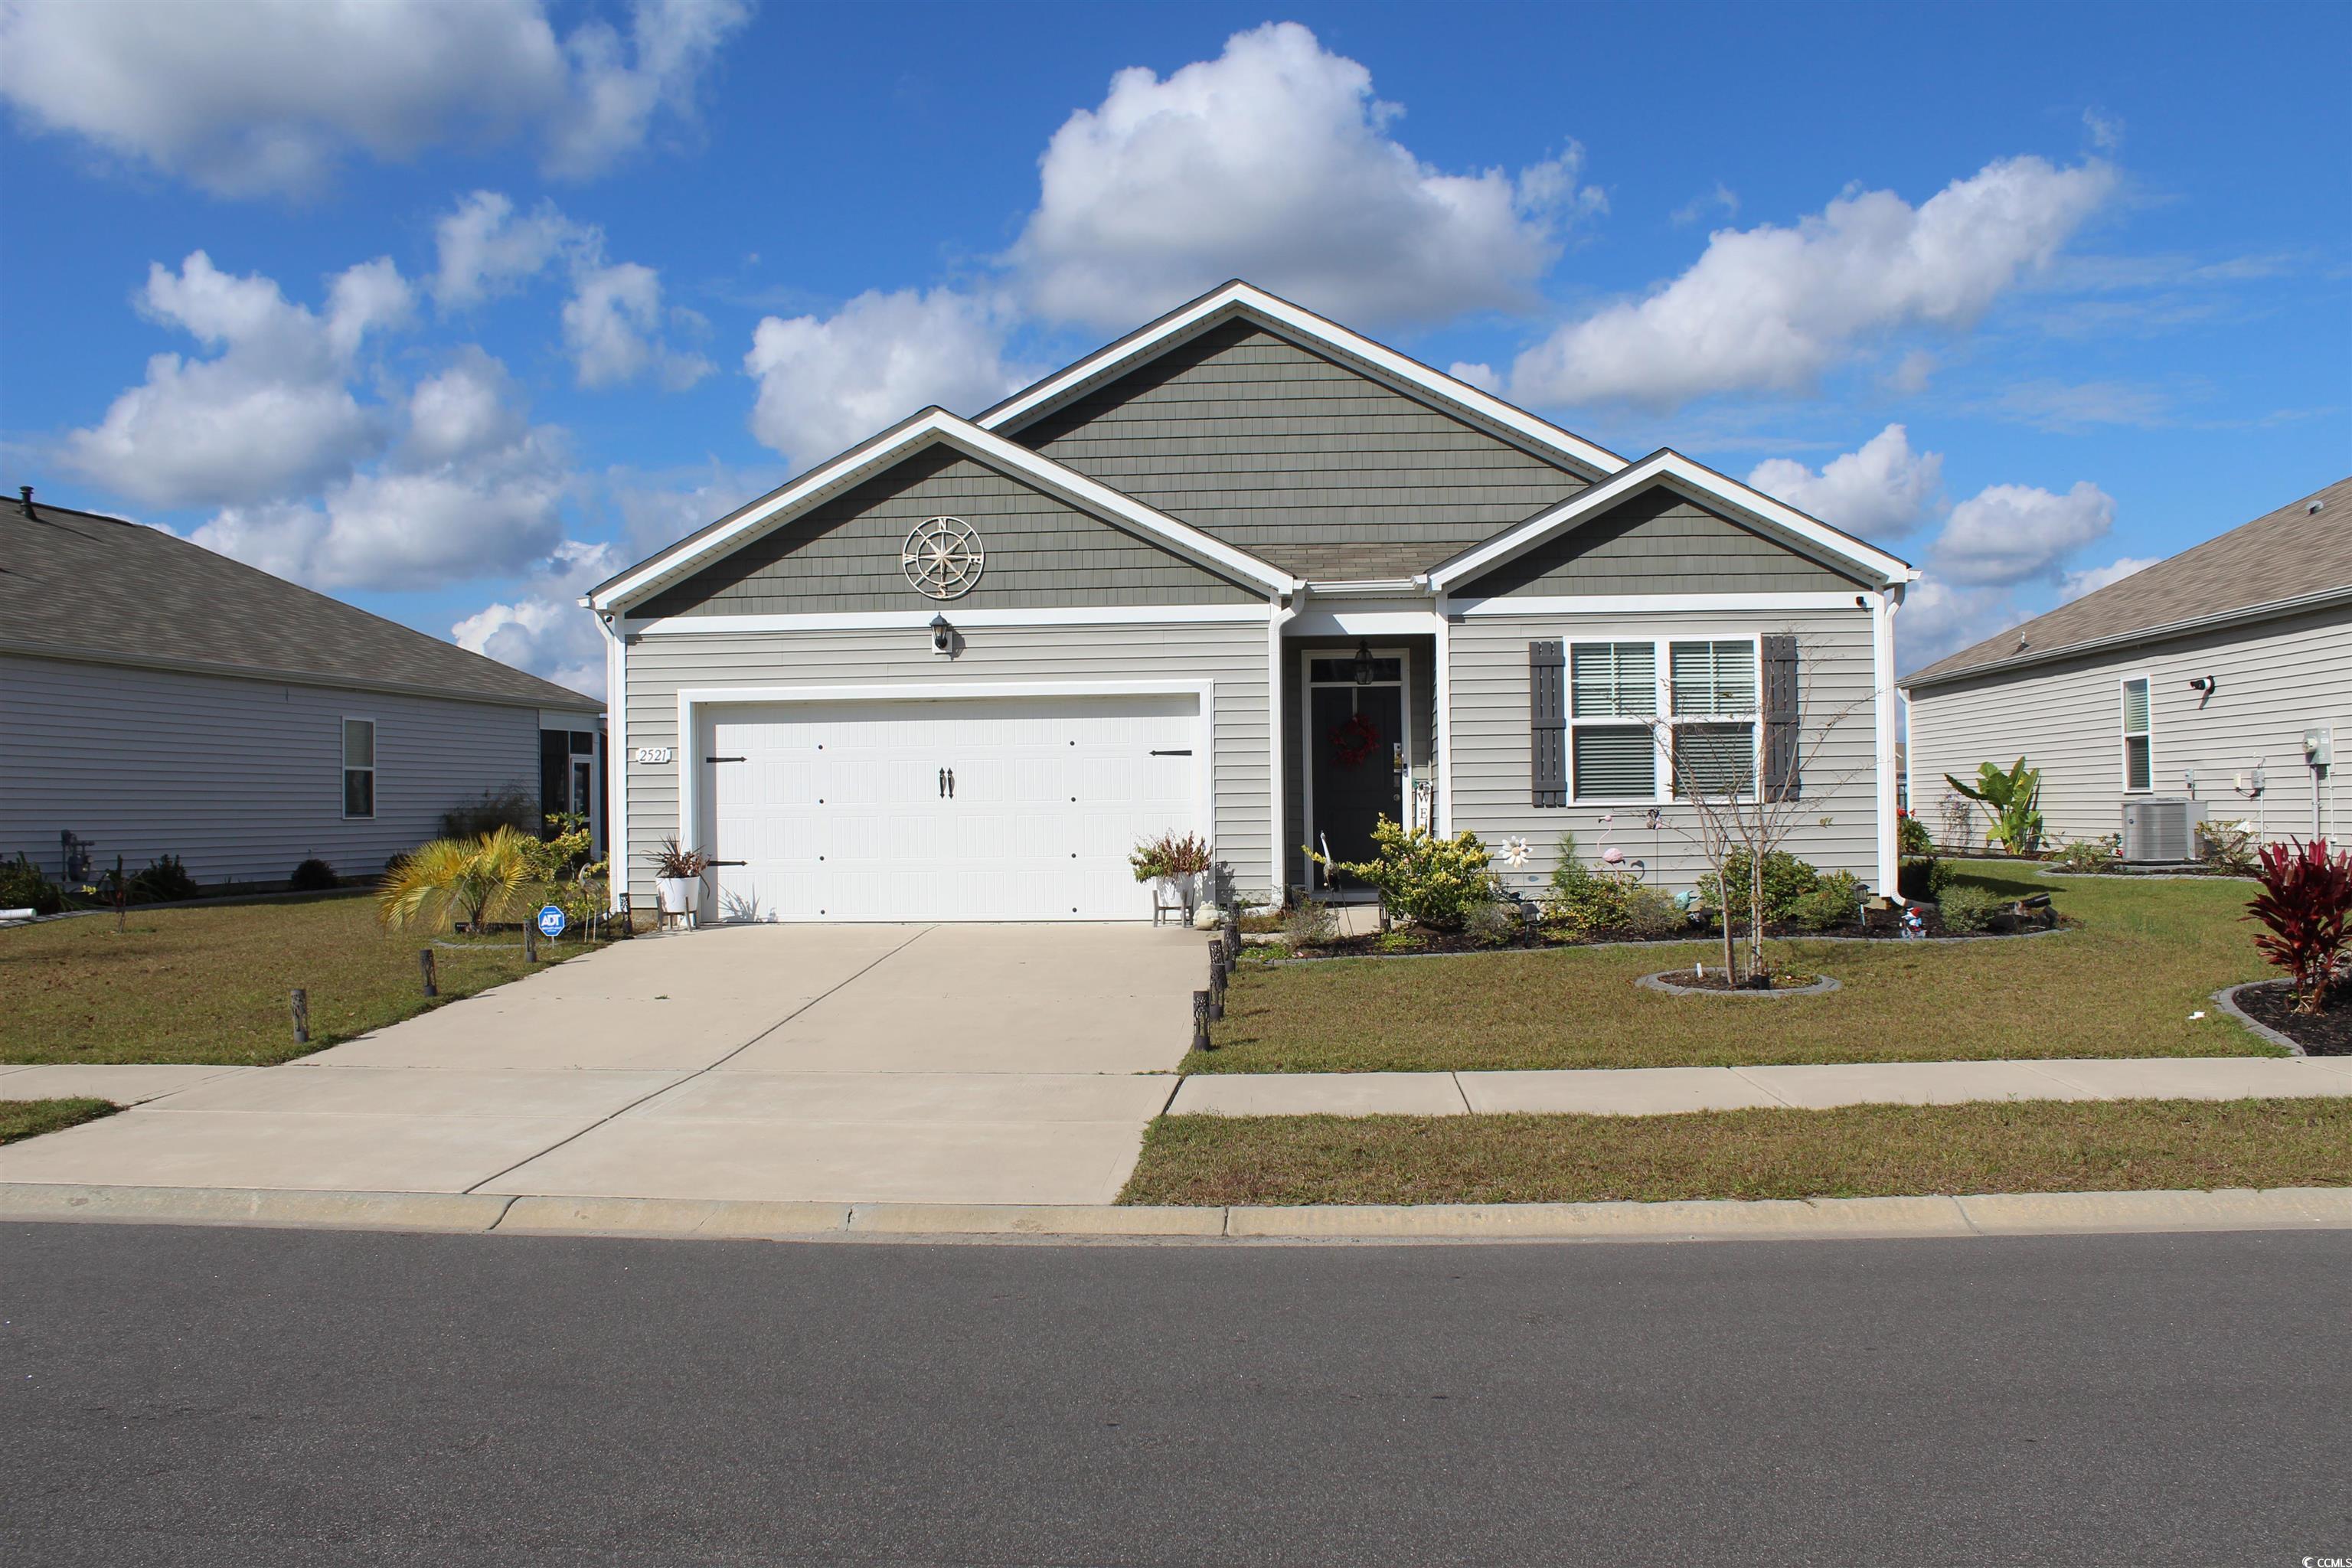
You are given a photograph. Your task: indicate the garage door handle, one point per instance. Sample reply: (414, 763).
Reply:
(951, 783)
(943, 783)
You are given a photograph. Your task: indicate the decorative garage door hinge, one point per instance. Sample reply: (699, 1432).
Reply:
(726, 759)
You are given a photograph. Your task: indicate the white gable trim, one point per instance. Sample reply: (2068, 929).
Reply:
(933, 426)
(1698, 483)
(1238, 298)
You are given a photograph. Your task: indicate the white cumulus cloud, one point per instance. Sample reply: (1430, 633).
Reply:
(1881, 490)
(1771, 308)
(255, 97)
(485, 249)
(544, 629)
(827, 384)
(2091, 579)
(2015, 534)
(272, 414)
(1274, 161)
(470, 490)
(613, 326)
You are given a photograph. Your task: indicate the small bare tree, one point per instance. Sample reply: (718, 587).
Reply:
(1744, 773)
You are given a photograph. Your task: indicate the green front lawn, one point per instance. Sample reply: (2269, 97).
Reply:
(31, 1118)
(212, 984)
(2124, 982)
(1853, 1152)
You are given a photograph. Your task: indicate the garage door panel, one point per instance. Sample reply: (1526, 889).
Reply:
(838, 812)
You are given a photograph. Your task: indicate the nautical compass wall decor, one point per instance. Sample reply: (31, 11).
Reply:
(943, 557)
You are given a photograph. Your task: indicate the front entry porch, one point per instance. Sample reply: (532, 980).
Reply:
(1359, 722)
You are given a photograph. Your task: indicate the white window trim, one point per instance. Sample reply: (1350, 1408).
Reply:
(1307, 687)
(342, 755)
(2123, 744)
(1661, 764)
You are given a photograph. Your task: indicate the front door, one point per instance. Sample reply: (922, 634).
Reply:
(1357, 746)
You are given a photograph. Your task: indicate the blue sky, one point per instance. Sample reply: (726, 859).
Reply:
(449, 310)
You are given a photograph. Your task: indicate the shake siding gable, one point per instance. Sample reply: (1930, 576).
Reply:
(844, 556)
(1297, 459)
(1659, 541)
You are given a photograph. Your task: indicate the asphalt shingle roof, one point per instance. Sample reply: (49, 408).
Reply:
(79, 583)
(2289, 554)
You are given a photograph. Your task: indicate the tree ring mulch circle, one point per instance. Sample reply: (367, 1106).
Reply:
(1667, 981)
(2267, 1007)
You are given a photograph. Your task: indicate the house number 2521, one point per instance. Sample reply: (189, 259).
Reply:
(654, 754)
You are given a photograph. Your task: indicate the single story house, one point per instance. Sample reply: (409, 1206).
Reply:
(2219, 680)
(1244, 573)
(157, 698)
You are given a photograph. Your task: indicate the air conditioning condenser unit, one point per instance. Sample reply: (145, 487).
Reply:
(2161, 832)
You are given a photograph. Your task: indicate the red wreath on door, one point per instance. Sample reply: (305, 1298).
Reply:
(1354, 739)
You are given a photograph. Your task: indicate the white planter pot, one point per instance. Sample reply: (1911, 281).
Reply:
(679, 895)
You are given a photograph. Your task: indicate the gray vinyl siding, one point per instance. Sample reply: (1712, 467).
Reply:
(2272, 683)
(1659, 541)
(1298, 460)
(1232, 656)
(1421, 686)
(242, 779)
(1838, 829)
(845, 555)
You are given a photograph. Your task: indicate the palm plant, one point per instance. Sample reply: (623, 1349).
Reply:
(438, 881)
(2015, 797)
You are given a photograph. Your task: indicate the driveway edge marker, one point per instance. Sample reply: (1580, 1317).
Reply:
(1713, 1219)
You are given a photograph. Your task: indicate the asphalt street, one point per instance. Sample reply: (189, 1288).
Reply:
(201, 1397)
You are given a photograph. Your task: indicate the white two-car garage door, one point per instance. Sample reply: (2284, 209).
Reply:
(964, 808)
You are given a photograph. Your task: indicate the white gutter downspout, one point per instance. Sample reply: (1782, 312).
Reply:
(1444, 822)
(617, 762)
(1280, 612)
(1882, 663)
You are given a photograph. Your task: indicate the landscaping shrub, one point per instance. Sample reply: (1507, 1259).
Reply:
(2306, 901)
(1582, 901)
(2229, 847)
(313, 876)
(1431, 881)
(1492, 924)
(1307, 922)
(449, 877)
(1833, 903)
(510, 806)
(2086, 855)
(1911, 837)
(1787, 881)
(164, 881)
(2014, 795)
(1967, 907)
(1650, 914)
(22, 887)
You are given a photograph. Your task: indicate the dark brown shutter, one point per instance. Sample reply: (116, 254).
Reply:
(1548, 721)
(1780, 706)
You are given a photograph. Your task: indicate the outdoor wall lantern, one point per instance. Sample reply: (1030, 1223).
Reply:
(1363, 664)
(943, 636)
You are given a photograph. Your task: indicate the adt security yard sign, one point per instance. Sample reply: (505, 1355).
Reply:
(550, 920)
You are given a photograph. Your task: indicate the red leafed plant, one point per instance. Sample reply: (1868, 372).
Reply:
(2306, 901)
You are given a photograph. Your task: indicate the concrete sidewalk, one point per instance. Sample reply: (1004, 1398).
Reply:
(1651, 1091)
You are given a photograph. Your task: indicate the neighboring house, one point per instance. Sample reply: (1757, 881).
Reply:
(2196, 679)
(157, 698)
(1243, 573)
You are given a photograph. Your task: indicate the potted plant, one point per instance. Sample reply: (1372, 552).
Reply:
(678, 877)
(1177, 865)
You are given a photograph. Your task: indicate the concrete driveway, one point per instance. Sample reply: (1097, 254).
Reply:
(939, 1064)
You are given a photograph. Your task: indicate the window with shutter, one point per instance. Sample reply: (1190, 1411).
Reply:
(1613, 696)
(1713, 687)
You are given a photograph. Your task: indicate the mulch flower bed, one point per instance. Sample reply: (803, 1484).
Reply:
(1715, 980)
(1882, 926)
(2326, 1034)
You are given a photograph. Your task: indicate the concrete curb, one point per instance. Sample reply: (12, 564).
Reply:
(1723, 1219)
(2228, 999)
